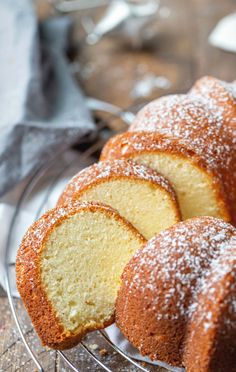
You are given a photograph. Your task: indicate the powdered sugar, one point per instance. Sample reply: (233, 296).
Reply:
(218, 95)
(175, 266)
(192, 121)
(186, 126)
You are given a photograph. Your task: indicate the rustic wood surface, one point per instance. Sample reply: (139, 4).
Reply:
(110, 71)
(179, 52)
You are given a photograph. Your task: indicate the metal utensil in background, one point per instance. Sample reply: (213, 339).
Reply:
(124, 19)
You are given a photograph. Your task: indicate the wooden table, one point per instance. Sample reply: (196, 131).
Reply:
(109, 71)
(180, 52)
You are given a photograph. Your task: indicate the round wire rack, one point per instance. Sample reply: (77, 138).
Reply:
(96, 352)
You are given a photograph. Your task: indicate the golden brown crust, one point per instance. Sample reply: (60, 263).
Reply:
(210, 344)
(162, 285)
(130, 144)
(28, 276)
(116, 169)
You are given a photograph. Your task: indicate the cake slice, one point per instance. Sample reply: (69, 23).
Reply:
(68, 270)
(204, 183)
(141, 195)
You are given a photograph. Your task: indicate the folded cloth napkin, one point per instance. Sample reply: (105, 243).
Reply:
(42, 108)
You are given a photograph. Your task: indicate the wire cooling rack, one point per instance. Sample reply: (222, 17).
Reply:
(96, 352)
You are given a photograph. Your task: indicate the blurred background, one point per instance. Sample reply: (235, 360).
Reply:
(173, 52)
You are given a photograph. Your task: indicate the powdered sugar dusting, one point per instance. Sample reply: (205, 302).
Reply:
(190, 129)
(175, 265)
(218, 95)
(191, 120)
(219, 288)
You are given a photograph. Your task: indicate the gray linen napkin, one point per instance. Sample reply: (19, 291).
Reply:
(42, 110)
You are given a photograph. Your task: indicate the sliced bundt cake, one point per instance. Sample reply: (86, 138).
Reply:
(68, 270)
(177, 298)
(141, 195)
(201, 185)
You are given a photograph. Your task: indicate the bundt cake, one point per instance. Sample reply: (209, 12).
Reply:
(219, 96)
(141, 195)
(177, 299)
(68, 270)
(204, 183)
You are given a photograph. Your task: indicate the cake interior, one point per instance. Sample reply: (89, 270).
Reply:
(194, 187)
(82, 262)
(148, 207)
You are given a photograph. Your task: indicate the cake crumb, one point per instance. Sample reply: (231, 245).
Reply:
(103, 352)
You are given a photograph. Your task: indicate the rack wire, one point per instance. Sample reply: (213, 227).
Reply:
(63, 166)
